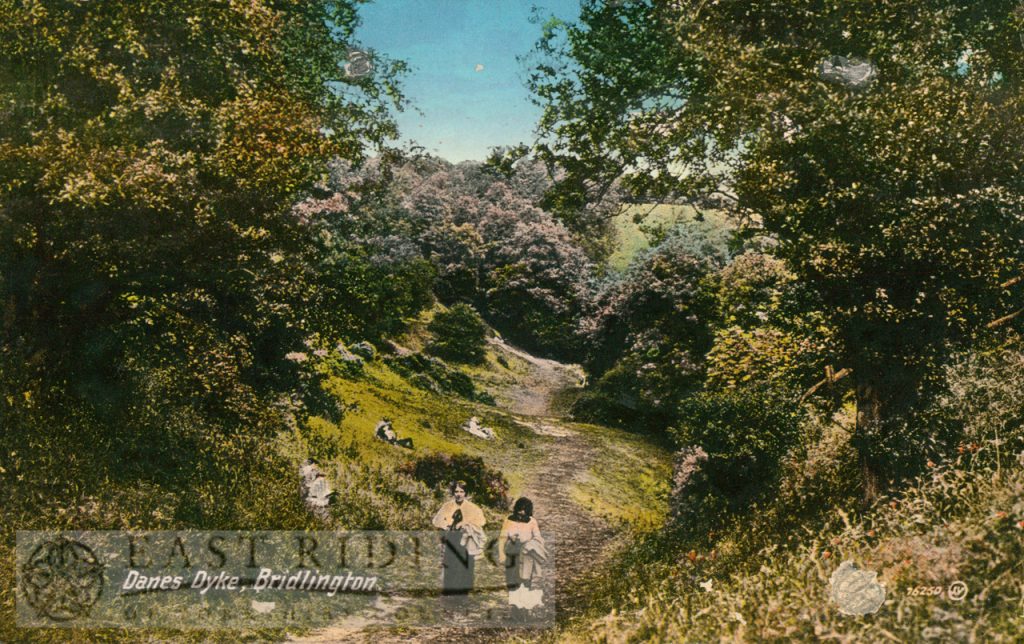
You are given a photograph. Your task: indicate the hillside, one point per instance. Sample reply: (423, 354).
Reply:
(591, 485)
(947, 547)
(657, 220)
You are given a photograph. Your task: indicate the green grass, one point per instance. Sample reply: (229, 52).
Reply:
(627, 483)
(632, 237)
(433, 422)
(770, 568)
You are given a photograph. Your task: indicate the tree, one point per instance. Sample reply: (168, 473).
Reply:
(646, 334)
(460, 334)
(153, 271)
(150, 155)
(880, 143)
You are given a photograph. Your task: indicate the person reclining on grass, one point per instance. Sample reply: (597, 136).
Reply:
(386, 433)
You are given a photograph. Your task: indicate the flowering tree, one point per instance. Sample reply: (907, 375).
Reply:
(491, 245)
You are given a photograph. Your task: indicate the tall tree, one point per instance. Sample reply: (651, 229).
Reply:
(880, 141)
(150, 153)
(154, 273)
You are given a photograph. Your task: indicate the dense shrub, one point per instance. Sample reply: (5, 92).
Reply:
(762, 354)
(767, 327)
(752, 290)
(432, 374)
(537, 286)
(485, 485)
(646, 335)
(460, 335)
(635, 393)
(744, 433)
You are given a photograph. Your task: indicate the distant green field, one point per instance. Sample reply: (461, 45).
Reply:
(633, 237)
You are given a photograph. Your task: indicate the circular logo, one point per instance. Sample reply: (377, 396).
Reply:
(957, 591)
(856, 591)
(359, 64)
(62, 579)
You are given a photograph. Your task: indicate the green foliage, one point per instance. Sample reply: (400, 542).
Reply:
(743, 433)
(154, 272)
(768, 327)
(460, 334)
(485, 485)
(771, 567)
(646, 334)
(739, 357)
(754, 289)
(889, 201)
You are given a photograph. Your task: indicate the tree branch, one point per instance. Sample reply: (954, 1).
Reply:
(1003, 320)
(1012, 282)
(837, 376)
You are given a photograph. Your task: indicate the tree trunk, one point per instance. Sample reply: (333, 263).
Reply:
(870, 420)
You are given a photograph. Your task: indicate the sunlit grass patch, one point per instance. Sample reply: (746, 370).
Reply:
(628, 480)
(433, 421)
(631, 238)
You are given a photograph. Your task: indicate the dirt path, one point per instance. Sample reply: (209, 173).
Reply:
(582, 539)
(533, 393)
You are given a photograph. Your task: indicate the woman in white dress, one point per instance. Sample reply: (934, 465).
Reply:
(521, 551)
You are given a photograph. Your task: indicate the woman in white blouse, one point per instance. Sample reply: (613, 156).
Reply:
(521, 551)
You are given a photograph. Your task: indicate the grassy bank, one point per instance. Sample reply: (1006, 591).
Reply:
(766, 575)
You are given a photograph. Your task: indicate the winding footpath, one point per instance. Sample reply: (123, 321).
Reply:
(582, 539)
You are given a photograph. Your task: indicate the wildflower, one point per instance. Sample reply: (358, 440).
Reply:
(931, 463)
(826, 554)
(871, 533)
(296, 356)
(1000, 515)
(1020, 525)
(692, 555)
(320, 353)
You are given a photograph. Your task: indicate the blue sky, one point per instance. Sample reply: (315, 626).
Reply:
(465, 112)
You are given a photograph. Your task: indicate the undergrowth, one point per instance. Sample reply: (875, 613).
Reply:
(764, 575)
